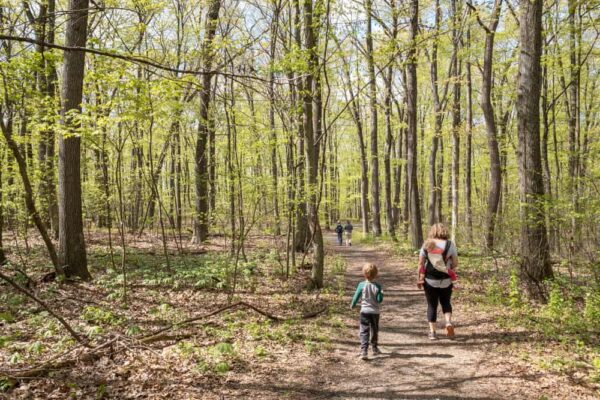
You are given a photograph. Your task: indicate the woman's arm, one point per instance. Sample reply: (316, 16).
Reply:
(421, 272)
(454, 259)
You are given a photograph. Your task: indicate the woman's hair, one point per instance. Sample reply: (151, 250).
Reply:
(370, 271)
(438, 231)
(429, 244)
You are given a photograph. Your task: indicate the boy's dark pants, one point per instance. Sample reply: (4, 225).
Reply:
(369, 326)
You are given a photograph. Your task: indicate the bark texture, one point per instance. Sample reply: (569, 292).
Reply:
(72, 254)
(534, 242)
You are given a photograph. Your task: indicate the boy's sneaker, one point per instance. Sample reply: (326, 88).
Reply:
(433, 336)
(376, 351)
(450, 331)
(363, 355)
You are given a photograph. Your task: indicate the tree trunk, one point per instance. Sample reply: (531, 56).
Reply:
(2, 255)
(44, 26)
(273, 132)
(434, 187)
(375, 202)
(534, 242)
(455, 118)
(201, 160)
(312, 154)
(468, 147)
(490, 124)
(399, 144)
(411, 96)
(364, 166)
(389, 145)
(574, 121)
(72, 255)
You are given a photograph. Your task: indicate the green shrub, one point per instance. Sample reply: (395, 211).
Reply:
(591, 311)
(515, 298)
(494, 292)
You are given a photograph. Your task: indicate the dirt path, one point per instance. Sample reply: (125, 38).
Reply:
(412, 366)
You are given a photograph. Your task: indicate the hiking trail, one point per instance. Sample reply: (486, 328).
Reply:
(412, 366)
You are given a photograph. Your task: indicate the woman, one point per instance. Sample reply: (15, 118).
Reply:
(437, 284)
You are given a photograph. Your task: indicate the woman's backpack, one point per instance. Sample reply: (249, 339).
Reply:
(435, 262)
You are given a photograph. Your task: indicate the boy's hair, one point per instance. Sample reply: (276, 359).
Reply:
(370, 271)
(438, 231)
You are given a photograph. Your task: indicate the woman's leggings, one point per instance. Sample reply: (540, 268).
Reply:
(434, 296)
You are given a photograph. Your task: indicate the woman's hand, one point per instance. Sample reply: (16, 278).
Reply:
(420, 283)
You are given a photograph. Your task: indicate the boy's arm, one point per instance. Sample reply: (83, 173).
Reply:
(357, 294)
(379, 296)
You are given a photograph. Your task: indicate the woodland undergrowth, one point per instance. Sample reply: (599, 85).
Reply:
(283, 320)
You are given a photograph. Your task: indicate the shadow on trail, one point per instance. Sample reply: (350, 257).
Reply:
(298, 391)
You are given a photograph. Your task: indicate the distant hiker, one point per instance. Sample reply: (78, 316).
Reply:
(438, 260)
(348, 229)
(339, 229)
(370, 295)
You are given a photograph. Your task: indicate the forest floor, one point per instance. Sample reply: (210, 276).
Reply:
(478, 364)
(242, 354)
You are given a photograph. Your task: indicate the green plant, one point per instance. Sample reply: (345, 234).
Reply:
(591, 310)
(260, 351)
(221, 349)
(99, 316)
(6, 384)
(515, 298)
(222, 367)
(494, 292)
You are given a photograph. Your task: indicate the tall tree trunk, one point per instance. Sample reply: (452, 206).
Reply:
(44, 25)
(455, 117)
(468, 146)
(201, 163)
(302, 236)
(434, 186)
(389, 137)
(389, 145)
(312, 154)
(2, 255)
(411, 96)
(273, 132)
(358, 122)
(574, 121)
(534, 242)
(398, 154)
(72, 255)
(490, 124)
(375, 202)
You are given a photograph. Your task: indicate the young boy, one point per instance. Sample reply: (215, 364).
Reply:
(371, 294)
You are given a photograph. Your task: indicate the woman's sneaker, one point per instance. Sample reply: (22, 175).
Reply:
(376, 351)
(450, 331)
(363, 355)
(433, 336)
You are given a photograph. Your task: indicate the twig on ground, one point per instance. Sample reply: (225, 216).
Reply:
(29, 294)
(154, 337)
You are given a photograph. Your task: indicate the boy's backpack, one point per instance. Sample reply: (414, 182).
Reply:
(435, 262)
(339, 228)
